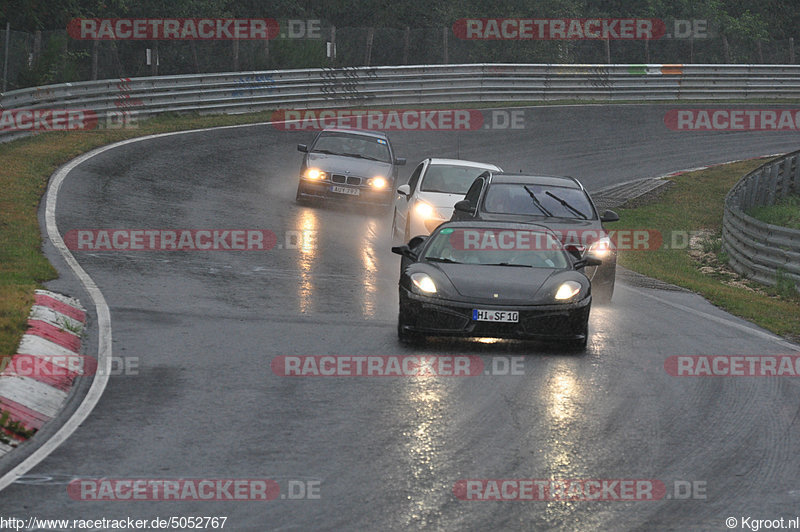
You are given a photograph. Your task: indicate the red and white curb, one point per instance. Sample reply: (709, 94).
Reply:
(52, 344)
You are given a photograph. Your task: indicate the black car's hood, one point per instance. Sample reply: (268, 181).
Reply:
(568, 230)
(348, 165)
(512, 284)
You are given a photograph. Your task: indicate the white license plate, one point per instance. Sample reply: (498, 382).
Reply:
(505, 316)
(345, 190)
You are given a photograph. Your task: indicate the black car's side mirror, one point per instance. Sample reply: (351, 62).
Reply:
(609, 216)
(574, 250)
(463, 206)
(302, 147)
(405, 251)
(400, 161)
(588, 261)
(417, 241)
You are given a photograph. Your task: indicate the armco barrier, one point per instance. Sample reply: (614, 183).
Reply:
(758, 250)
(243, 92)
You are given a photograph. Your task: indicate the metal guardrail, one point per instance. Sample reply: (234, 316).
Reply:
(759, 250)
(244, 92)
(756, 249)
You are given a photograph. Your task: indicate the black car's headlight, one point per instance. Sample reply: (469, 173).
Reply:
(568, 290)
(423, 283)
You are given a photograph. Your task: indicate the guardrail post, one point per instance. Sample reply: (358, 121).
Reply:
(37, 46)
(95, 56)
(750, 189)
(5, 57)
(786, 177)
(154, 59)
(445, 55)
(406, 44)
(368, 52)
(774, 173)
(332, 55)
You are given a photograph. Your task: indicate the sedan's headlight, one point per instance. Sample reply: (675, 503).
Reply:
(568, 290)
(425, 210)
(315, 173)
(423, 282)
(600, 248)
(378, 182)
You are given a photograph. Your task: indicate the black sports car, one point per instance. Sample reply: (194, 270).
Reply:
(349, 164)
(559, 203)
(493, 279)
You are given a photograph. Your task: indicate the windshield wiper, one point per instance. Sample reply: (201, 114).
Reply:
(566, 204)
(442, 259)
(325, 151)
(536, 201)
(360, 156)
(509, 264)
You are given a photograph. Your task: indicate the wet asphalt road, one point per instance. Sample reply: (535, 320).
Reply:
(385, 453)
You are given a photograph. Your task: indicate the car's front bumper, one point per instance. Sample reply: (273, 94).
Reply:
(424, 226)
(324, 189)
(430, 316)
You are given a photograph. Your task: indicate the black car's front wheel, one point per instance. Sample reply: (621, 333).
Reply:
(580, 343)
(602, 292)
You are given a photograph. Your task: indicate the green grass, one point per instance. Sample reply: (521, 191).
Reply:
(695, 202)
(785, 212)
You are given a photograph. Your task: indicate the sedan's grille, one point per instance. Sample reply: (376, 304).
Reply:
(345, 179)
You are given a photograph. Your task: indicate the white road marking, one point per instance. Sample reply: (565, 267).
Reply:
(103, 313)
(104, 316)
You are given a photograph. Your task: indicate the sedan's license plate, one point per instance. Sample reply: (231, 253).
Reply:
(345, 190)
(505, 316)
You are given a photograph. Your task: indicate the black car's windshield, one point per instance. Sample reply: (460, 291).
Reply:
(450, 179)
(350, 145)
(500, 247)
(538, 200)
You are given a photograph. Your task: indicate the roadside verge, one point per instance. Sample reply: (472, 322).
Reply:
(687, 214)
